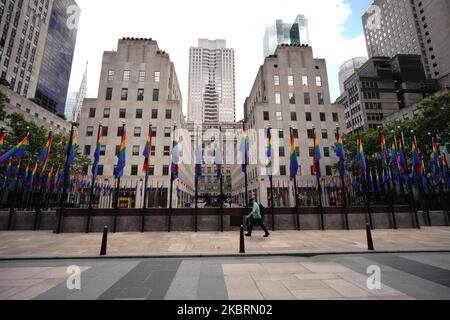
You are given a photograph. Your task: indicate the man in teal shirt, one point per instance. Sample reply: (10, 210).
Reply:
(255, 218)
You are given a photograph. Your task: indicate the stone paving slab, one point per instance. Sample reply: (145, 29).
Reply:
(41, 244)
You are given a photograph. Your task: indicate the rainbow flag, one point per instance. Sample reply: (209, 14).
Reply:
(317, 156)
(97, 153)
(403, 165)
(147, 152)
(394, 157)
(293, 157)
(175, 160)
(70, 153)
(56, 181)
(49, 181)
(12, 175)
(340, 153)
(121, 157)
(416, 161)
(361, 159)
(45, 154)
(33, 176)
(16, 152)
(384, 159)
(2, 141)
(269, 152)
(25, 175)
(436, 164)
(198, 162)
(445, 169)
(244, 150)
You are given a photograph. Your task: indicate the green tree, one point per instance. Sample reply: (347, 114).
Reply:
(3, 101)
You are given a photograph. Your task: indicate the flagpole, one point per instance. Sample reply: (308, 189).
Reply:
(411, 194)
(246, 167)
(221, 180)
(440, 186)
(344, 191)
(144, 206)
(118, 187)
(425, 208)
(366, 188)
(272, 203)
(91, 195)
(172, 177)
(390, 195)
(66, 176)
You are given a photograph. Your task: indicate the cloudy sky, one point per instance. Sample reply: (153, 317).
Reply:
(335, 30)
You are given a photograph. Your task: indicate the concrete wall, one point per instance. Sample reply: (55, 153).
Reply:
(157, 220)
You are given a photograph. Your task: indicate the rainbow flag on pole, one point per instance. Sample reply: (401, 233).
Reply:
(340, 153)
(2, 141)
(175, 159)
(244, 150)
(269, 152)
(436, 164)
(294, 160)
(198, 161)
(384, 159)
(45, 154)
(361, 160)
(416, 161)
(317, 156)
(33, 175)
(147, 152)
(121, 157)
(218, 162)
(16, 152)
(445, 169)
(71, 145)
(97, 153)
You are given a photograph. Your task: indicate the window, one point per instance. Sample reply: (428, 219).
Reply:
(168, 114)
(279, 116)
(89, 131)
(87, 150)
(310, 133)
(280, 134)
(102, 150)
(335, 117)
(167, 132)
(85, 170)
(291, 98)
(277, 98)
(326, 152)
(282, 170)
(329, 170)
(157, 76)
(137, 132)
(109, 93)
(281, 152)
(124, 94)
(323, 117)
(134, 170)
(155, 94)
(151, 170)
(106, 113)
(324, 134)
(166, 151)
(165, 170)
(276, 80)
(154, 113)
(293, 116)
(139, 113)
(318, 81)
(154, 131)
(311, 152)
(117, 152)
(136, 151)
(126, 75)
(140, 95)
(122, 113)
(111, 74)
(290, 81)
(305, 81)
(100, 170)
(320, 98)
(119, 131)
(153, 151)
(295, 133)
(92, 113)
(141, 76)
(104, 131)
(308, 116)
(307, 98)
(266, 116)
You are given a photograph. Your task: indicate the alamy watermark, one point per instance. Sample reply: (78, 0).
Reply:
(374, 279)
(74, 280)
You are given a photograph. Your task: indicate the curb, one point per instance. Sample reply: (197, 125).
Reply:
(224, 255)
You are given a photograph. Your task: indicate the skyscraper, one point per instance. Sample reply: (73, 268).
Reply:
(348, 68)
(80, 97)
(286, 33)
(419, 27)
(36, 49)
(211, 82)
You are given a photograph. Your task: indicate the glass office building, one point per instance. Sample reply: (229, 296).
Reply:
(54, 75)
(286, 33)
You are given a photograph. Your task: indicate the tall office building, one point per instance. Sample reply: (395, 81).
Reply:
(71, 103)
(212, 96)
(290, 91)
(420, 27)
(348, 68)
(138, 85)
(36, 49)
(286, 33)
(80, 97)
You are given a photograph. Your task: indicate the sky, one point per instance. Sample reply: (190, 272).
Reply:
(335, 30)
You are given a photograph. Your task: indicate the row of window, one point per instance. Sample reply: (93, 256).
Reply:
(308, 116)
(306, 98)
(291, 82)
(124, 94)
(123, 113)
(328, 171)
(127, 76)
(137, 131)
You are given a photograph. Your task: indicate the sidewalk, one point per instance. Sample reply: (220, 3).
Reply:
(29, 245)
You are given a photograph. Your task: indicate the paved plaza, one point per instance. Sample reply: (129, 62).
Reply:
(341, 277)
(25, 244)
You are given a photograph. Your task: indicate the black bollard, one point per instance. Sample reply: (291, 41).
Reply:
(241, 242)
(369, 238)
(104, 241)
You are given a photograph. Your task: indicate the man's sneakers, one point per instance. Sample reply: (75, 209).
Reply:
(267, 235)
(248, 235)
